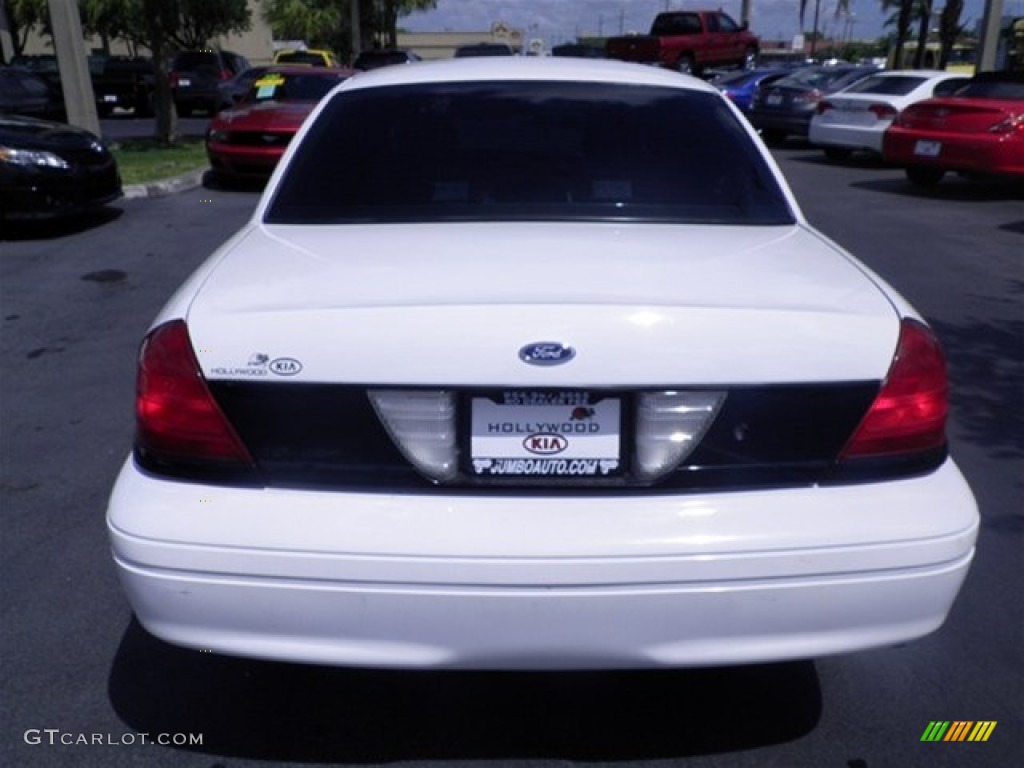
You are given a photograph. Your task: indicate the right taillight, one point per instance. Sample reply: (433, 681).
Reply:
(909, 414)
(177, 419)
(825, 106)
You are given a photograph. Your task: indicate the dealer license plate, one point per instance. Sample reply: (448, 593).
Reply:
(773, 99)
(546, 434)
(925, 148)
(184, 82)
(109, 98)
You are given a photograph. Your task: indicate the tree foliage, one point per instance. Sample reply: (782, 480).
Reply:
(24, 17)
(327, 23)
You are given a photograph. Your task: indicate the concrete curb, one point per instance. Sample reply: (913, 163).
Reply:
(186, 181)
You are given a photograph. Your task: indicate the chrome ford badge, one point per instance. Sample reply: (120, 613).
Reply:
(546, 353)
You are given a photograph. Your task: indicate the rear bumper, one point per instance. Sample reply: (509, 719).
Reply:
(846, 136)
(995, 154)
(243, 161)
(789, 123)
(485, 582)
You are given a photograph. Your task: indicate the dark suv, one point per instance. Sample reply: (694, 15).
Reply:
(197, 75)
(376, 58)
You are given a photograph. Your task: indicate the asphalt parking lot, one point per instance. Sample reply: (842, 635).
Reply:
(76, 298)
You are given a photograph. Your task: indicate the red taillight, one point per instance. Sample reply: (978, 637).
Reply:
(825, 106)
(225, 74)
(882, 111)
(176, 416)
(1009, 125)
(909, 413)
(172, 79)
(809, 97)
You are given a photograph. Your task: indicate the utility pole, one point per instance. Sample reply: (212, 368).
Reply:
(74, 64)
(990, 29)
(6, 41)
(357, 43)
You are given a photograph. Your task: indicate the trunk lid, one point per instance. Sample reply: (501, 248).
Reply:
(452, 304)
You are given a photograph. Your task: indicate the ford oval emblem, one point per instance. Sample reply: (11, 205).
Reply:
(546, 353)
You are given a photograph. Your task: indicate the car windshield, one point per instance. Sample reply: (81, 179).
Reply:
(815, 78)
(528, 151)
(890, 85)
(301, 57)
(374, 59)
(195, 60)
(279, 86)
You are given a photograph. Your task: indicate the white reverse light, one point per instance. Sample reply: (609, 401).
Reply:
(422, 425)
(669, 425)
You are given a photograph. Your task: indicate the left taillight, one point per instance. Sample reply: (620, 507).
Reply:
(883, 111)
(177, 418)
(909, 414)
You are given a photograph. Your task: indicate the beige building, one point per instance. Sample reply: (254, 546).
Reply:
(442, 45)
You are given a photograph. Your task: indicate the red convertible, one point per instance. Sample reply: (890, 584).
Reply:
(977, 130)
(248, 140)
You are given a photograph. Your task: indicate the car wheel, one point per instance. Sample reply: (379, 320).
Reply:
(104, 110)
(685, 65)
(925, 177)
(838, 154)
(750, 58)
(184, 111)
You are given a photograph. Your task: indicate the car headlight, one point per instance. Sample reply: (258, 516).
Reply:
(217, 137)
(31, 157)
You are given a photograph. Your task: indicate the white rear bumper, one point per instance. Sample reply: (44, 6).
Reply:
(527, 582)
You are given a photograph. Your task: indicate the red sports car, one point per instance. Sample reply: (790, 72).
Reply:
(247, 140)
(979, 129)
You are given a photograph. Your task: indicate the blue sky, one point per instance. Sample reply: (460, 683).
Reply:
(560, 20)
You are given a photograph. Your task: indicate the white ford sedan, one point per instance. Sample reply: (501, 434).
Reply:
(537, 364)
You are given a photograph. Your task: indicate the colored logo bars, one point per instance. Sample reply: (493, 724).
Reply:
(958, 730)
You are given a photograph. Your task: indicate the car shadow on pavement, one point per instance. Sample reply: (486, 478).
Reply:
(270, 711)
(987, 373)
(953, 188)
(52, 229)
(215, 181)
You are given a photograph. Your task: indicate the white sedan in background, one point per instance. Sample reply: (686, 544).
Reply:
(857, 117)
(536, 363)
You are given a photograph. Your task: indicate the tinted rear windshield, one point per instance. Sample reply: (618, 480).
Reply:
(277, 86)
(891, 85)
(527, 151)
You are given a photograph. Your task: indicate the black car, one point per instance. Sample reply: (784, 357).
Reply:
(786, 106)
(197, 76)
(26, 93)
(383, 57)
(473, 50)
(123, 82)
(50, 169)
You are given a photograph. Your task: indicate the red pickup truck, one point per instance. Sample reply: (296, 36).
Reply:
(689, 41)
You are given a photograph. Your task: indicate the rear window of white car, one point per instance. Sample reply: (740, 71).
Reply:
(527, 151)
(890, 85)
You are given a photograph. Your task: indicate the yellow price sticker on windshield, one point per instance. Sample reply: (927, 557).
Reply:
(271, 81)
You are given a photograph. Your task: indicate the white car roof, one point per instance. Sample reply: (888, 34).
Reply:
(532, 68)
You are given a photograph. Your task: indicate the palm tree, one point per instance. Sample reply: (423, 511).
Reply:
(842, 7)
(903, 16)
